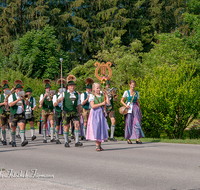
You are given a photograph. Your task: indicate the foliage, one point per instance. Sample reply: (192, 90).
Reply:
(169, 99)
(194, 131)
(37, 54)
(85, 27)
(125, 64)
(169, 49)
(191, 36)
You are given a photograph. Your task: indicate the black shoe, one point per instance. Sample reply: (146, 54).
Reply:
(72, 137)
(52, 140)
(10, 143)
(69, 141)
(83, 138)
(4, 143)
(13, 144)
(67, 144)
(58, 142)
(18, 136)
(129, 142)
(138, 142)
(33, 137)
(78, 144)
(44, 141)
(24, 143)
(105, 140)
(113, 139)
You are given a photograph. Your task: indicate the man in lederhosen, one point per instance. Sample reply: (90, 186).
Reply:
(46, 102)
(16, 104)
(58, 108)
(111, 113)
(29, 107)
(71, 110)
(86, 105)
(4, 111)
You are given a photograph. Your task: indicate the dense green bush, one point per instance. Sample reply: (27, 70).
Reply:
(169, 99)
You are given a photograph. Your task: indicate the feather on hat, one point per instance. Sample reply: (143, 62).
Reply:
(59, 81)
(45, 81)
(71, 78)
(89, 81)
(18, 82)
(4, 82)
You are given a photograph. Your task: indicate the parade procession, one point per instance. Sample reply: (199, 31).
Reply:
(76, 114)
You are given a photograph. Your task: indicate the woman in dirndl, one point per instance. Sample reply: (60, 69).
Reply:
(133, 129)
(97, 126)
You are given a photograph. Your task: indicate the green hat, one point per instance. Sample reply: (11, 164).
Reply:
(47, 85)
(71, 82)
(108, 82)
(89, 86)
(62, 86)
(18, 86)
(28, 89)
(5, 86)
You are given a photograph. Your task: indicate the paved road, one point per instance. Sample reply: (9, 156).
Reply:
(150, 166)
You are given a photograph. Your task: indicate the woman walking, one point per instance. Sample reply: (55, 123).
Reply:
(133, 129)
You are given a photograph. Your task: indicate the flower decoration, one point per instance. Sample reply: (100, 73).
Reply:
(103, 80)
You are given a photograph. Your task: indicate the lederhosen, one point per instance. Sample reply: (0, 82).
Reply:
(58, 114)
(86, 110)
(69, 109)
(25, 106)
(110, 109)
(14, 117)
(4, 114)
(47, 110)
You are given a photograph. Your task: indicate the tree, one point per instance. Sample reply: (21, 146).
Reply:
(169, 49)
(37, 54)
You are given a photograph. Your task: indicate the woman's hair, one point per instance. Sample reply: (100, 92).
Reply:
(132, 81)
(94, 85)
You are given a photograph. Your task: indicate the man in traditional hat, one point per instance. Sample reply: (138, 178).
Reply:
(71, 110)
(86, 105)
(29, 107)
(46, 103)
(16, 104)
(4, 113)
(111, 113)
(58, 108)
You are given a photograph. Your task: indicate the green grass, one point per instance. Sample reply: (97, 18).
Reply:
(180, 141)
(28, 126)
(186, 139)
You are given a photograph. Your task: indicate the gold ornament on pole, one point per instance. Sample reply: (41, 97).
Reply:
(103, 78)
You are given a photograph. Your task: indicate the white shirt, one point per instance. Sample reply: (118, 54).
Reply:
(20, 108)
(79, 98)
(28, 108)
(55, 100)
(83, 98)
(92, 98)
(125, 95)
(41, 97)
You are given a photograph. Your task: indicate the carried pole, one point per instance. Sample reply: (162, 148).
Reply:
(61, 60)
